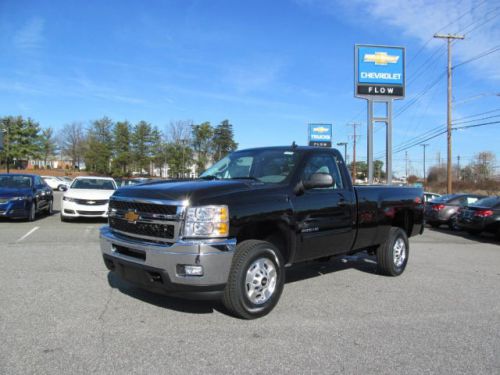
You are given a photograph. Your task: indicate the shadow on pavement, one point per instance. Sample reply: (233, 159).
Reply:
(362, 262)
(483, 237)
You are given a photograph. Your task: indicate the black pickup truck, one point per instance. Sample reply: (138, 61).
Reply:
(231, 233)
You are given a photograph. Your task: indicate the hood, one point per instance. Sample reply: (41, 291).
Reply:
(10, 193)
(185, 190)
(95, 194)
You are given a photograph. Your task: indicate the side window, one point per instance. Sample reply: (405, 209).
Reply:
(471, 200)
(38, 181)
(323, 163)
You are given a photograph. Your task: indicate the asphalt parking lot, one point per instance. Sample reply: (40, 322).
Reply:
(60, 312)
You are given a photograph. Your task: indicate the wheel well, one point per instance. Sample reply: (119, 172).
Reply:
(404, 220)
(267, 231)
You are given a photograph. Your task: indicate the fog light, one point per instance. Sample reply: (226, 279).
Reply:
(189, 270)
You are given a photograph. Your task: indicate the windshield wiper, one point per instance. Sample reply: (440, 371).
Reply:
(209, 177)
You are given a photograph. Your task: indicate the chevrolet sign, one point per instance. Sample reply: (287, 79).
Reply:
(320, 135)
(380, 71)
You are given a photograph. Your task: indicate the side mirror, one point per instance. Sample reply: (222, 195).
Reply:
(64, 188)
(319, 180)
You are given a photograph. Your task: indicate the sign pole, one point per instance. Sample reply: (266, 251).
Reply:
(388, 156)
(369, 141)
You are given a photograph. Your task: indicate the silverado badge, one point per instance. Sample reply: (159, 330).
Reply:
(131, 217)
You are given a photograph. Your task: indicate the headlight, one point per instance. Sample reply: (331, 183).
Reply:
(19, 198)
(207, 221)
(67, 199)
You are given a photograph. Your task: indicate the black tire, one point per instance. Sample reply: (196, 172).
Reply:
(388, 262)
(453, 223)
(50, 208)
(474, 232)
(32, 213)
(248, 254)
(497, 233)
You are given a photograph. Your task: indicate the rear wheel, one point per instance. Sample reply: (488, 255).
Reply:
(32, 212)
(453, 223)
(392, 255)
(255, 281)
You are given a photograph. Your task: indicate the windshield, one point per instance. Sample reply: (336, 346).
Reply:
(15, 182)
(267, 166)
(93, 183)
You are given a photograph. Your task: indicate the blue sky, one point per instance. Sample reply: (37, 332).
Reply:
(270, 67)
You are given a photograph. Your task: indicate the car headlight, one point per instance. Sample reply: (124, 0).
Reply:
(67, 199)
(207, 221)
(19, 198)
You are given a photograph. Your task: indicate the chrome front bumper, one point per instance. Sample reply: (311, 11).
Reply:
(162, 261)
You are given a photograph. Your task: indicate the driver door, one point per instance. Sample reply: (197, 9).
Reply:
(324, 216)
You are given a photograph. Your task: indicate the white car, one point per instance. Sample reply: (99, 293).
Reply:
(87, 197)
(56, 183)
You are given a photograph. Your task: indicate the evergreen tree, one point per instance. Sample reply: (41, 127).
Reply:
(223, 140)
(99, 146)
(121, 149)
(202, 145)
(158, 151)
(141, 145)
(21, 139)
(47, 144)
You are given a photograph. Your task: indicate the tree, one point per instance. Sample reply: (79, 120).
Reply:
(72, 142)
(377, 168)
(22, 139)
(223, 140)
(158, 151)
(99, 146)
(178, 157)
(202, 145)
(483, 165)
(361, 169)
(121, 149)
(141, 145)
(47, 144)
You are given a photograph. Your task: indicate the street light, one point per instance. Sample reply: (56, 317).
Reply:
(345, 150)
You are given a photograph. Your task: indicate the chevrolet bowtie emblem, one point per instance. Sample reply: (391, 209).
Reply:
(320, 129)
(380, 58)
(131, 217)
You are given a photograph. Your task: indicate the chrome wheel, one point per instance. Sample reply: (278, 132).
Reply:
(399, 252)
(260, 281)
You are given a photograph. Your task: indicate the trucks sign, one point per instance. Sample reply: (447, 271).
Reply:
(320, 135)
(380, 71)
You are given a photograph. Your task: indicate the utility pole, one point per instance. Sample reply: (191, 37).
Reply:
(345, 150)
(424, 145)
(406, 162)
(449, 38)
(354, 138)
(458, 167)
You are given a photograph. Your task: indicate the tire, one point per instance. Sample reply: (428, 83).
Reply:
(392, 255)
(257, 267)
(434, 225)
(474, 232)
(32, 213)
(453, 223)
(50, 208)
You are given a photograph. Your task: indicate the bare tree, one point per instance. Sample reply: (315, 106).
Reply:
(72, 141)
(179, 132)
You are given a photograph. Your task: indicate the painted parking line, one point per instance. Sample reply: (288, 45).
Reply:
(28, 234)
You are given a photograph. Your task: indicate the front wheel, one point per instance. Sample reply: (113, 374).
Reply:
(32, 212)
(50, 208)
(392, 255)
(255, 281)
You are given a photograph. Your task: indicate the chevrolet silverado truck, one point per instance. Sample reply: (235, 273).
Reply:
(231, 233)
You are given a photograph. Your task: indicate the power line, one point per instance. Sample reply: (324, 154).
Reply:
(479, 56)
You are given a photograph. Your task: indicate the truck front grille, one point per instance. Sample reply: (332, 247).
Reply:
(143, 207)
(160, 231)
(148, 220)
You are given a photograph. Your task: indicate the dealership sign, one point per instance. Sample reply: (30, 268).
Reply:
(320, 135)
(379, 71)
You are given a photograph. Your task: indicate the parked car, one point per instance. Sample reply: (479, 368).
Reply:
(56, 183)
(87, 197)
(444, 210)
(428, 197)
(482, 216)
(24, 195)
(131, 181)
(230, 233)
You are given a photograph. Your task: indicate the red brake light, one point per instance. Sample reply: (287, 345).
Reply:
(437, 207)
(483, 213)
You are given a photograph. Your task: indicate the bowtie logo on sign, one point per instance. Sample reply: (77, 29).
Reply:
(380, 58)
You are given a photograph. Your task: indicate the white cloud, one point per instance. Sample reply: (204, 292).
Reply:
(30, 36)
